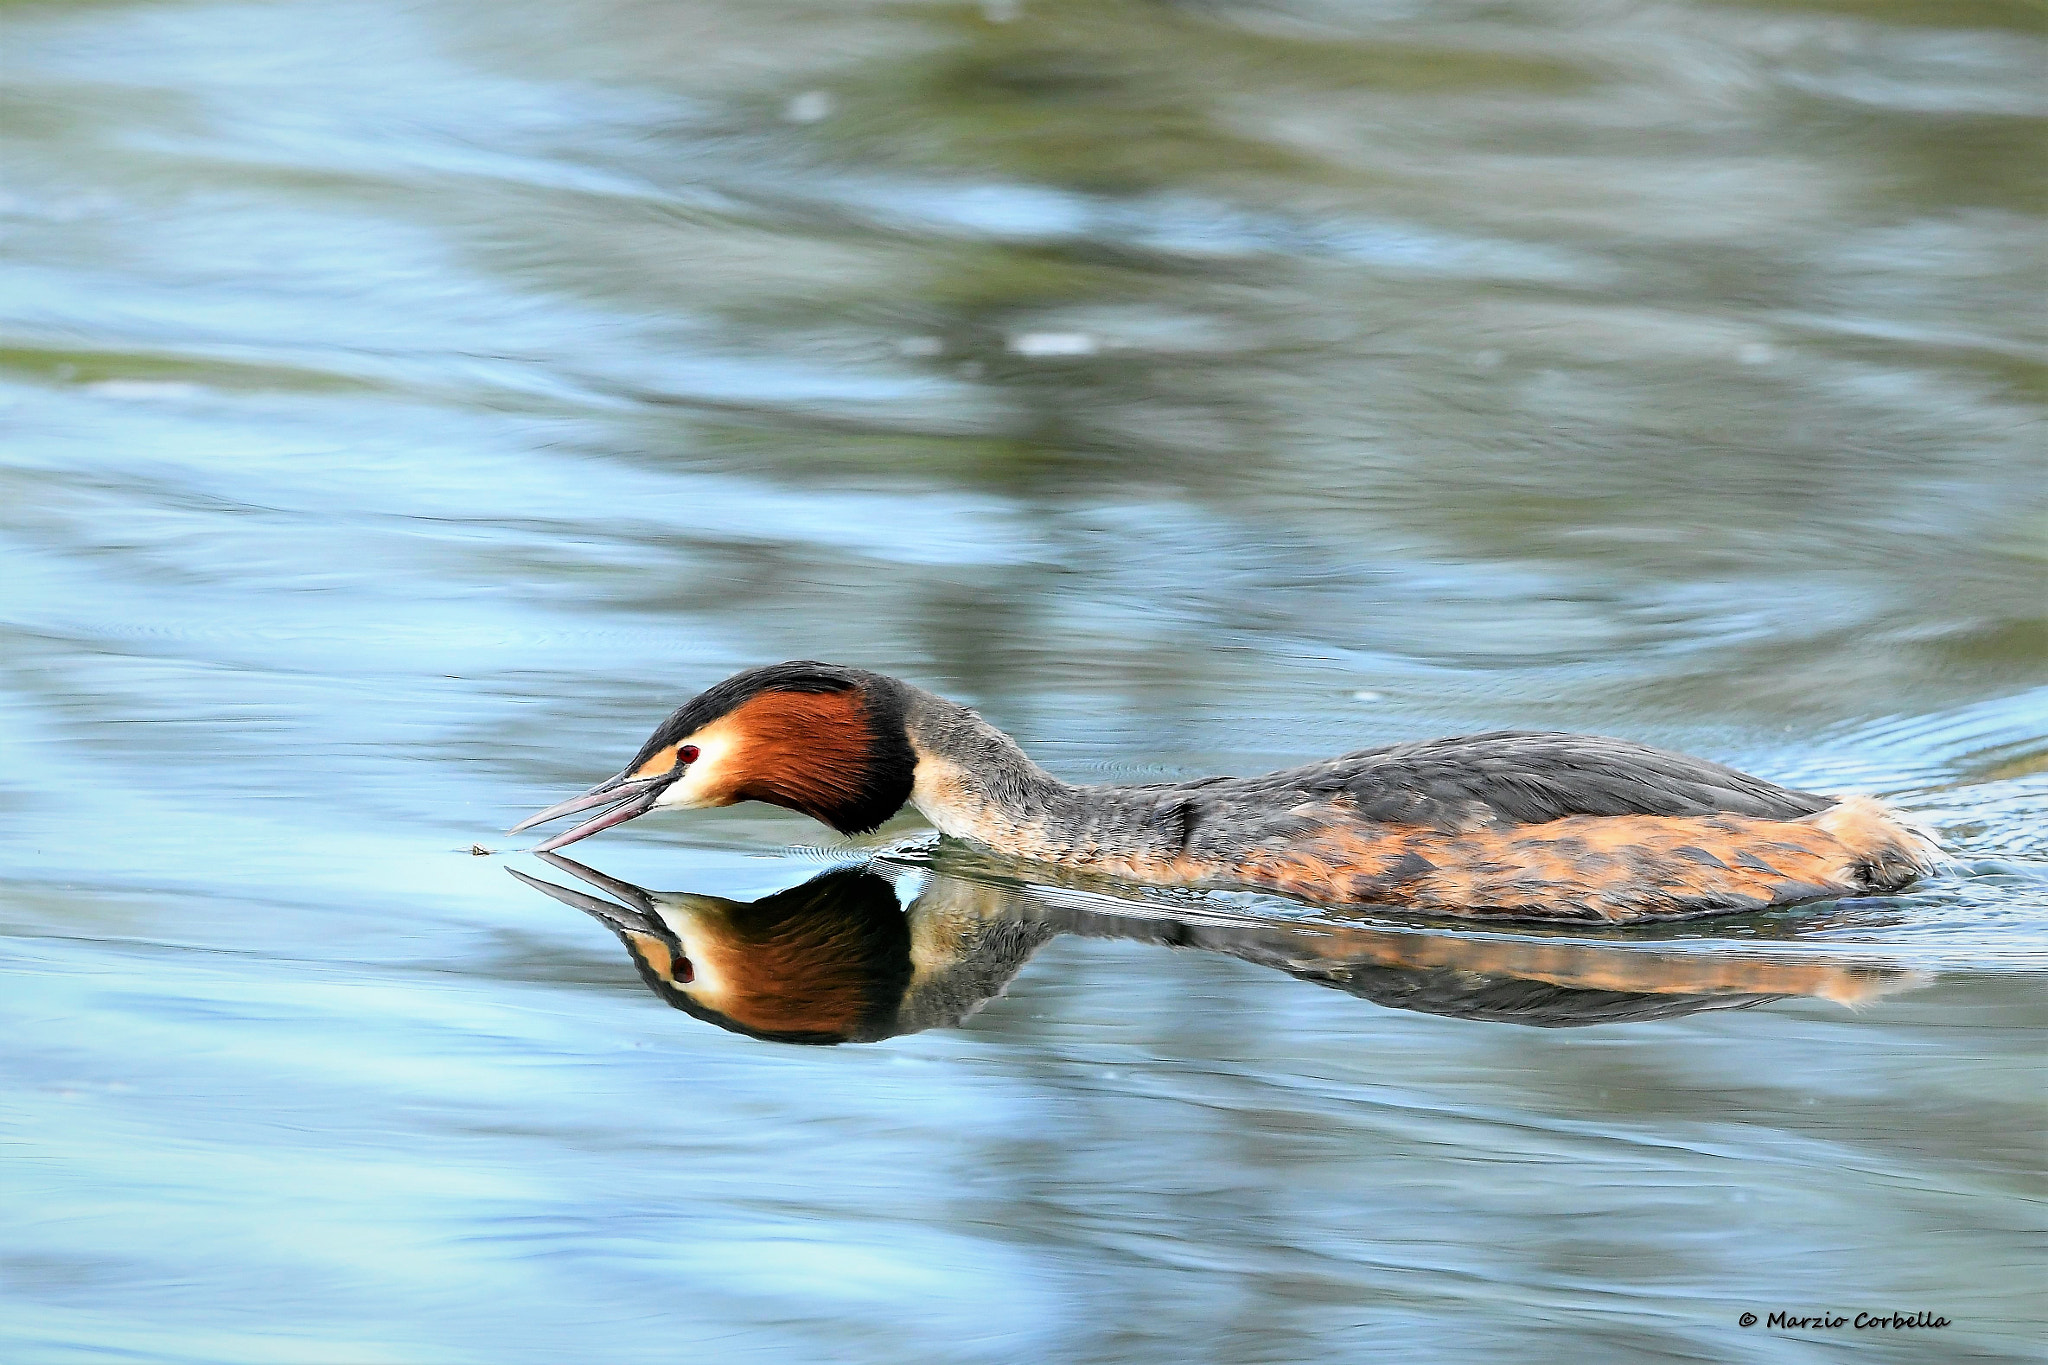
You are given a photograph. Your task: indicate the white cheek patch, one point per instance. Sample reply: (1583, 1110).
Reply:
(692, 790)
(698, 940)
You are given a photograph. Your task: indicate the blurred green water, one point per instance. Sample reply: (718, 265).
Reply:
(406, 404)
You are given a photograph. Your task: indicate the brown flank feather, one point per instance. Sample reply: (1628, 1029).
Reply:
(1613, 868)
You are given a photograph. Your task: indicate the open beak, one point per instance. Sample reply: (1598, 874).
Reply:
(626, 796)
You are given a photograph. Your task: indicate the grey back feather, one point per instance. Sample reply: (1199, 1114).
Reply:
(1503, 779)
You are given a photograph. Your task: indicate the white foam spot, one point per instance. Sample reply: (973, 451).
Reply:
(144, 389)
(811, 106)
(1054, 343)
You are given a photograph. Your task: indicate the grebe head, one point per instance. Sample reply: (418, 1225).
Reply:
(817, 738)
(825, 962)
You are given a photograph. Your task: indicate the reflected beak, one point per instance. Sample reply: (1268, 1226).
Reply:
(626, 797)
(636, 896)
(617, 918)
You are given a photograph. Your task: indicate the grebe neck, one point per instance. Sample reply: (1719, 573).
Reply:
(975, 782)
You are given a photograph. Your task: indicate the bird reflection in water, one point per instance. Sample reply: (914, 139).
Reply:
(839, 959)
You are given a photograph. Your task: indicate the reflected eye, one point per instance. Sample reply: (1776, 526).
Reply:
(687, 754)
(684, 972)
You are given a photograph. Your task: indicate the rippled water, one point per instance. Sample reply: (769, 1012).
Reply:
(406, 404)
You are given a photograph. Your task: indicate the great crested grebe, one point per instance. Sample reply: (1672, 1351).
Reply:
(1514, 824)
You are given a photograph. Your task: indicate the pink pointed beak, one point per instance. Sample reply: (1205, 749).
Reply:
(626, 796)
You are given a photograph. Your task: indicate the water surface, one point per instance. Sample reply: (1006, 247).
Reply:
(406, 404)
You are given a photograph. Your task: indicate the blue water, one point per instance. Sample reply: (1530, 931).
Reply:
(405, 405)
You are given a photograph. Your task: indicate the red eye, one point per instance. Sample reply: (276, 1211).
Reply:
(687, 754)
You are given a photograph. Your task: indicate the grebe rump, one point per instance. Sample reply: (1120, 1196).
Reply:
(1518, 824)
